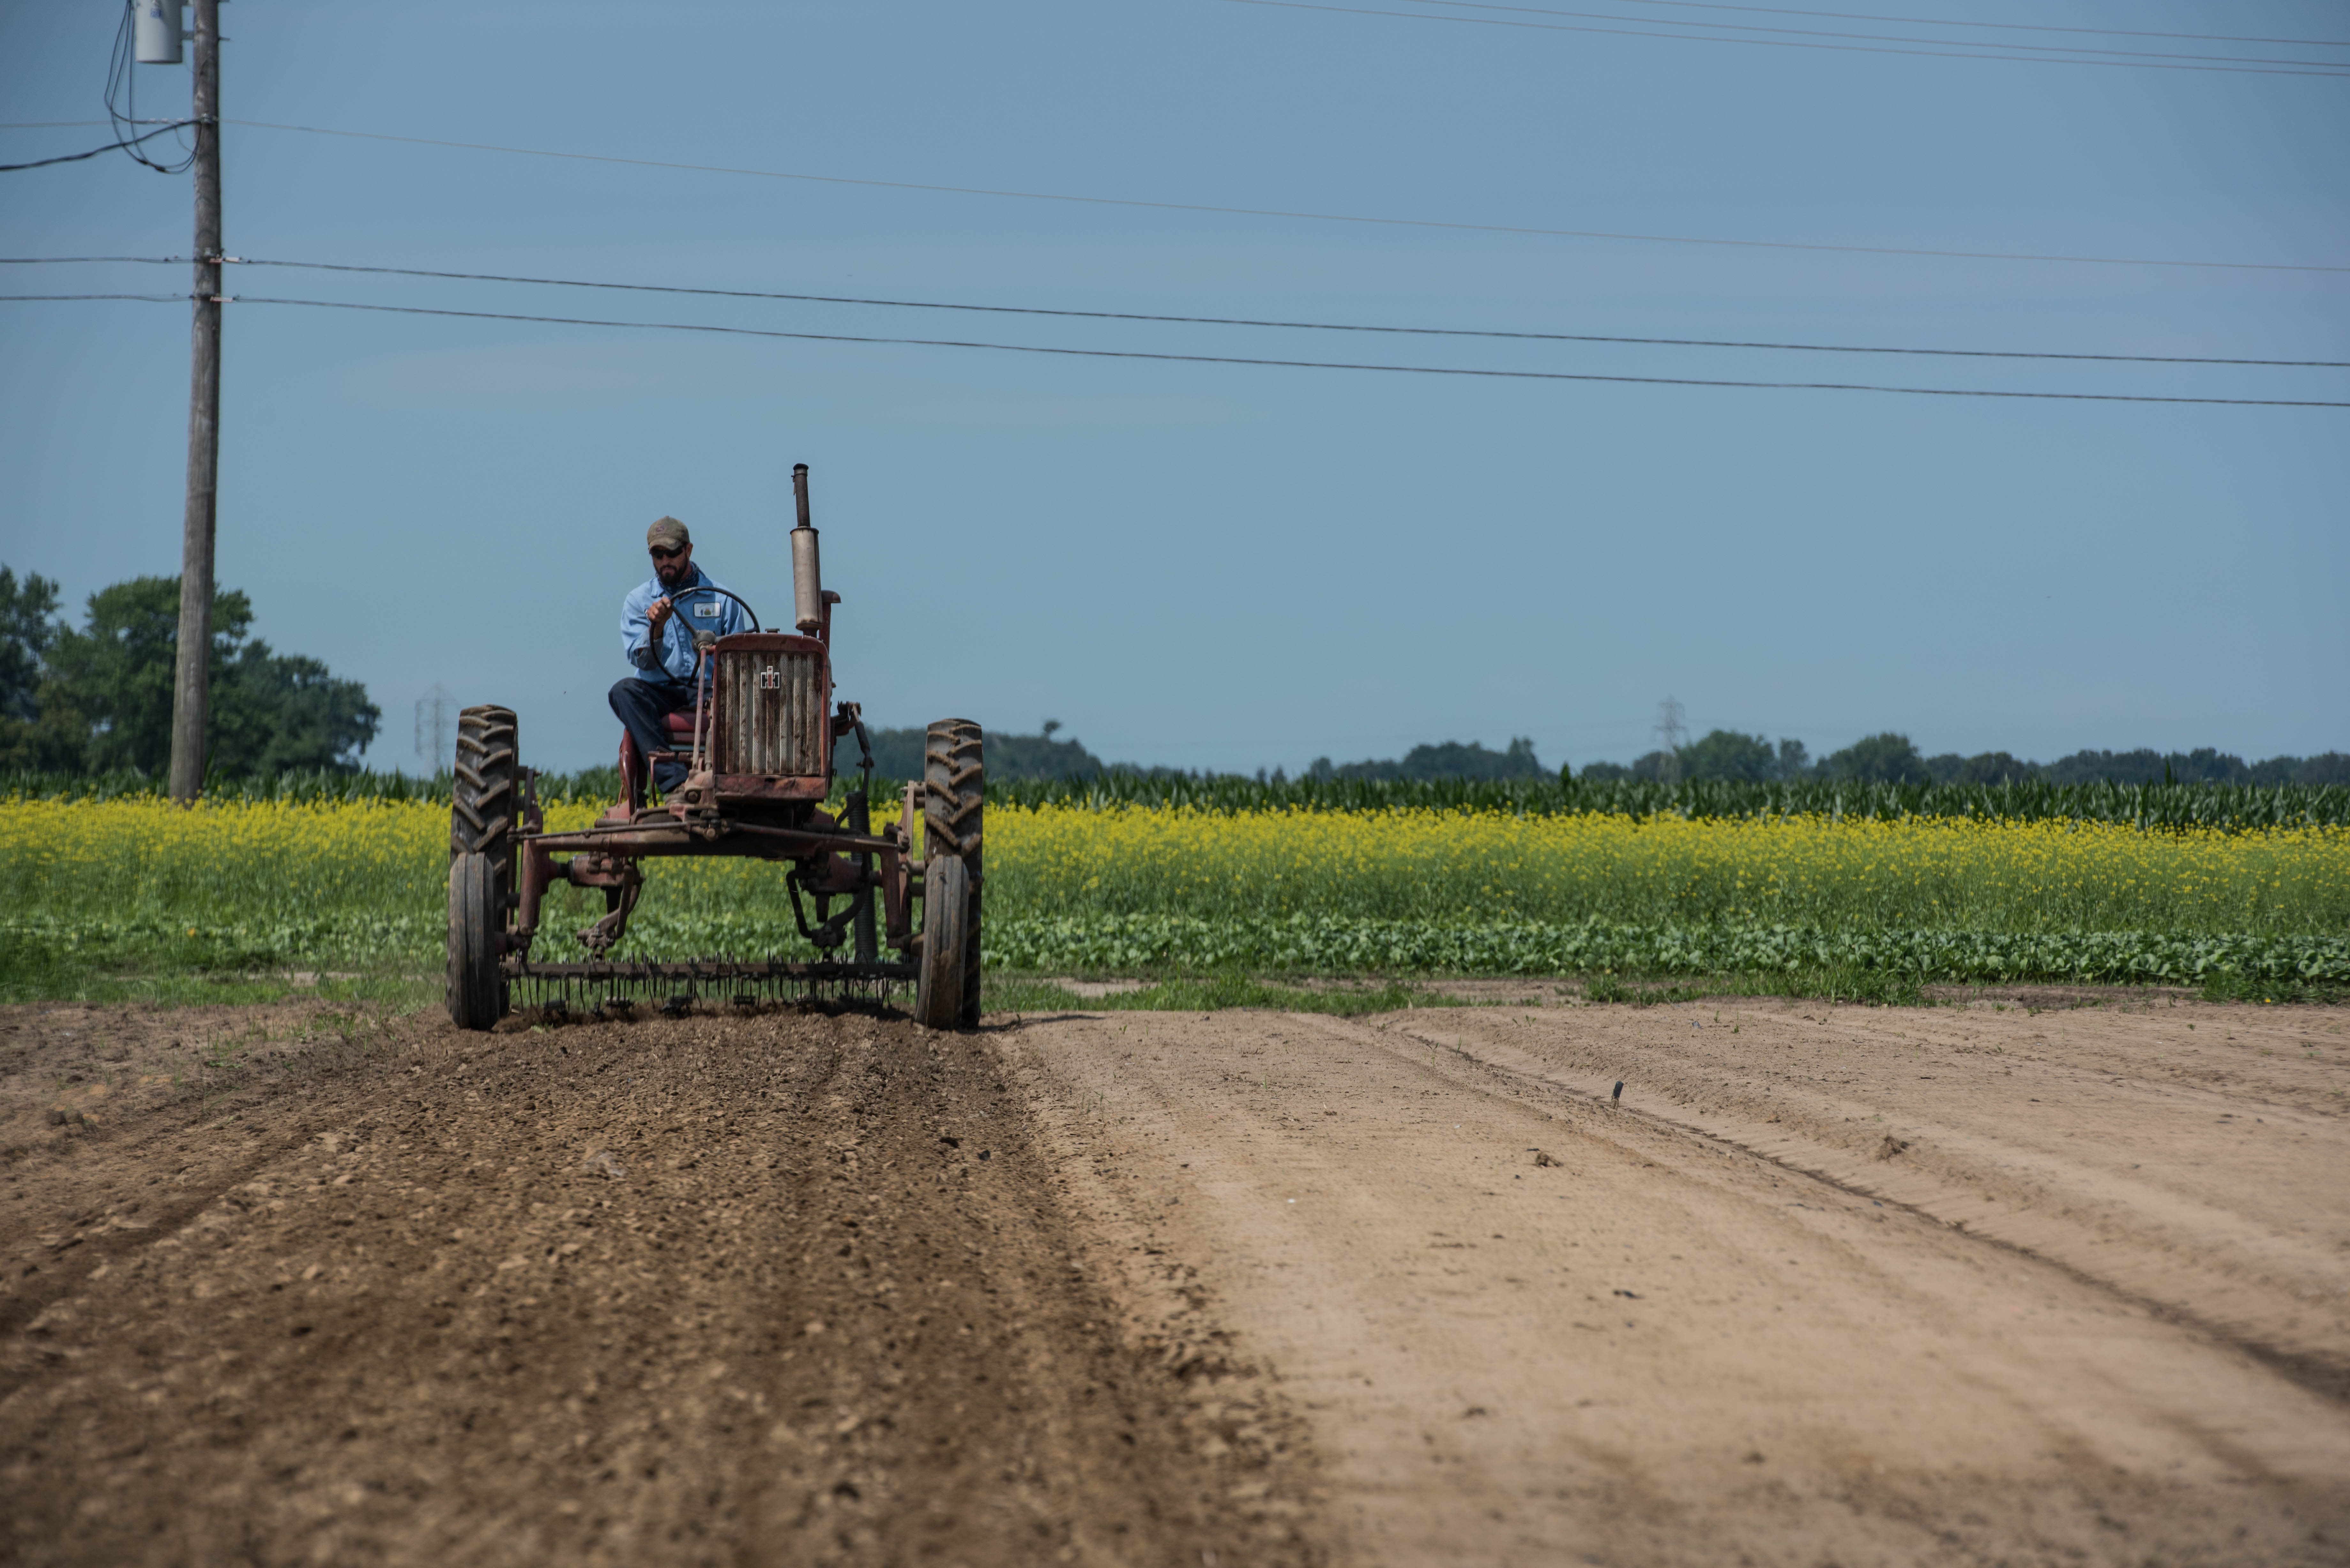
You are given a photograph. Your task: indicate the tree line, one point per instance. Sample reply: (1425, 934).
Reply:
(1723, 755)
(1893, 758)
(897, 754)
(97, 699)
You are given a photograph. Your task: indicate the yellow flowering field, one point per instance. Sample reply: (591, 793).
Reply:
(143, 856)
(95, 860)
(257, 883)
(1416, 865)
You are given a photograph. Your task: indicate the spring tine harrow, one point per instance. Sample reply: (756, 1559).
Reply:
(602, 987)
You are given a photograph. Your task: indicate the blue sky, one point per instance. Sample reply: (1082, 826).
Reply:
(1220, 565)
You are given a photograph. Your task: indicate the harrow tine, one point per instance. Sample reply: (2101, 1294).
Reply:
(747, 982)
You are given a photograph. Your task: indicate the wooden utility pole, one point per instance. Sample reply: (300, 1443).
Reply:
(192, 680)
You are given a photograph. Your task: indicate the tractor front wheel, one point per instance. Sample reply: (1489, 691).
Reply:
(939, 984)
(476, 990)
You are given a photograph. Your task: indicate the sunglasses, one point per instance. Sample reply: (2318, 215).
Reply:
(661, 555)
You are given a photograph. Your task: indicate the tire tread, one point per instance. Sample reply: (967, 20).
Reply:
(954, 795)
(484, 790)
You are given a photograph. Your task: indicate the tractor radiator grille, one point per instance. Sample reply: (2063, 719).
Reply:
(771, 716)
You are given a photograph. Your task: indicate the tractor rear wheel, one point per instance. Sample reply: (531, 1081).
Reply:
(954, 794)
(484, 802)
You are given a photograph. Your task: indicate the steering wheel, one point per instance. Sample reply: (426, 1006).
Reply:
(679, 598)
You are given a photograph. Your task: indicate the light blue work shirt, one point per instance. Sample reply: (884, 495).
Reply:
(671, 659)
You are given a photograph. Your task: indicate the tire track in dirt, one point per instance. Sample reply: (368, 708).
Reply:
(2195, 1252)
(791, 1287)
(56, 1253)
(190, 1142)
(1530, 1327)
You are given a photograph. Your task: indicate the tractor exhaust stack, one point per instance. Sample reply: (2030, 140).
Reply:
(807, 575)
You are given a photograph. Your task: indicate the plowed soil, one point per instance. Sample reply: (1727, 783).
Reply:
(788, 1288)
(1962, 1284)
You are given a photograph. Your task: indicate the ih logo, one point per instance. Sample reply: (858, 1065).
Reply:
(769, 679)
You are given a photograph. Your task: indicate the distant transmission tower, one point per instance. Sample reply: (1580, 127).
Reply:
(436, 729)
(1671, 735)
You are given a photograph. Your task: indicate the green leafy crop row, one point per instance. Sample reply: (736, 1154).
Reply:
(1304, 944)
(1333, 946)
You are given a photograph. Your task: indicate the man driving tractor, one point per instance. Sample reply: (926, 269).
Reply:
(659, 622)
(749, 772)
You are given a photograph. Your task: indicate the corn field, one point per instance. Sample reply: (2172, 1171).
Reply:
(2222, 807)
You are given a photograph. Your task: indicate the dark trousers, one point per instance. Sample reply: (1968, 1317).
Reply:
(642, 705)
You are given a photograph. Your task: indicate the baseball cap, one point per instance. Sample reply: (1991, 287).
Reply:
(667, 534)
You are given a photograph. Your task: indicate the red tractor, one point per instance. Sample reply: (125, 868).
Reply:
(758, 750)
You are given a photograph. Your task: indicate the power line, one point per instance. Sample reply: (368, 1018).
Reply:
(2018, 50)
(1932, 53)
(150, 298)
(1299, 326)
(109, 146)
(1285, 364)
(1293, 364)
(1209, 320)
(1282, 213)
(2005, 27)
(1756, 11)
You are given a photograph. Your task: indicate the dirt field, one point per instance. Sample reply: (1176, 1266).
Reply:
(1959, 1284)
